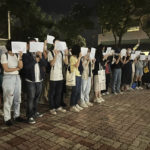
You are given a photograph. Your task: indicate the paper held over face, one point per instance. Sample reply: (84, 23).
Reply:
(137, 53)
(92, 54)
(133, 56)
(84, 50)
(123, 52)
(142, 57)
(19, 47)
(60, 45)
(50, 39)
(148, 57)
(109, 50)
(36, 46)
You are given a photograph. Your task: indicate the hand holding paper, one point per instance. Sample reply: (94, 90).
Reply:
(123, 52)
(142, 57)
(18, 47)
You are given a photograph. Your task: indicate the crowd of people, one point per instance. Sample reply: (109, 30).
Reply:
(44, 73)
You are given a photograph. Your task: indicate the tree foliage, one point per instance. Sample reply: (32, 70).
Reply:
(27, 19)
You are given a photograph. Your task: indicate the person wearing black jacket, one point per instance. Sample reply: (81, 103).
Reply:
(34, 64)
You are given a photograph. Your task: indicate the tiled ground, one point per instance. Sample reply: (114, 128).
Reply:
(120, 123)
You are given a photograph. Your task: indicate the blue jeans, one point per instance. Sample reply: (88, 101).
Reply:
(76, 92)
(116, 80)
(34, 90)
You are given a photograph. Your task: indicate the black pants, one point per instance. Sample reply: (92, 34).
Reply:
(33, 90)
(55, 94)
(107, 83)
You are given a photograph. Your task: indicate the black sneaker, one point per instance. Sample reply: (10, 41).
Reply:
(19, 119)
(31, 120)
(38, 115)
(9, 123)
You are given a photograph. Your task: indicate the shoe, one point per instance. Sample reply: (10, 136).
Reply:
(98, 100)
(102, 100)
(31, 121)
(60, 109)
(107, 93)
(8, 123)
(120, 93)
(103, 94)
(115, 93)
(74, 109)
(140, 88)
(38, 115)
(53, 112)
(84, 105)
(19, 119)
(78, 107)
(137, 88)
(89, 103)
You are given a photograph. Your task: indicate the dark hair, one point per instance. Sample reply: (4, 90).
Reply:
(30, 39)
(76, 49)
(8, 45)
(55, 40)
(99, 53)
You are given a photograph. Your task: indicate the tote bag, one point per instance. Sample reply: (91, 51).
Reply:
(70, 78)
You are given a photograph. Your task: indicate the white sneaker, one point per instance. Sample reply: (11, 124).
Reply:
(107, 93)
(99, 100)
(137, 88)
(120, 93)
(89, 103)
(115, 93)
(53, 112)
(103, 94)
(140, 88)
(60, 109)
(74, 109)
(102, 99)
(84, 105)
(78, 107)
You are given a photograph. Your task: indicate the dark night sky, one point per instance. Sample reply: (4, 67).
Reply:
(61, 6)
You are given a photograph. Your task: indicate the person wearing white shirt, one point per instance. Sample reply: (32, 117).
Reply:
(11, 85)
(56, 79)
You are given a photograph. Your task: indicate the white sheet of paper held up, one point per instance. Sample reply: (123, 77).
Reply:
(36, 46)
(123, 52)
(37, 39)
(148, 57)
(137, 53)
(50, 39)
(60, 45)
(108, 51)
(92, 54)
(84, 50)
(19, 46)
(133, 56)
(142, 57)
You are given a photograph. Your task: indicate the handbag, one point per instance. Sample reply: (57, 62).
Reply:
(146, 70)
(70, 78)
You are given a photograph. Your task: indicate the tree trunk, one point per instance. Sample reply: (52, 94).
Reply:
(115, 37)
(120, 41)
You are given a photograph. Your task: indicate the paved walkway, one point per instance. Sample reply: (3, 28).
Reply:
(122, 122)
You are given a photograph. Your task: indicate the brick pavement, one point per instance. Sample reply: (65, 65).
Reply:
(120, 123)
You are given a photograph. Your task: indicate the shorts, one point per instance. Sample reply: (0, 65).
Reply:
(139, 72)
